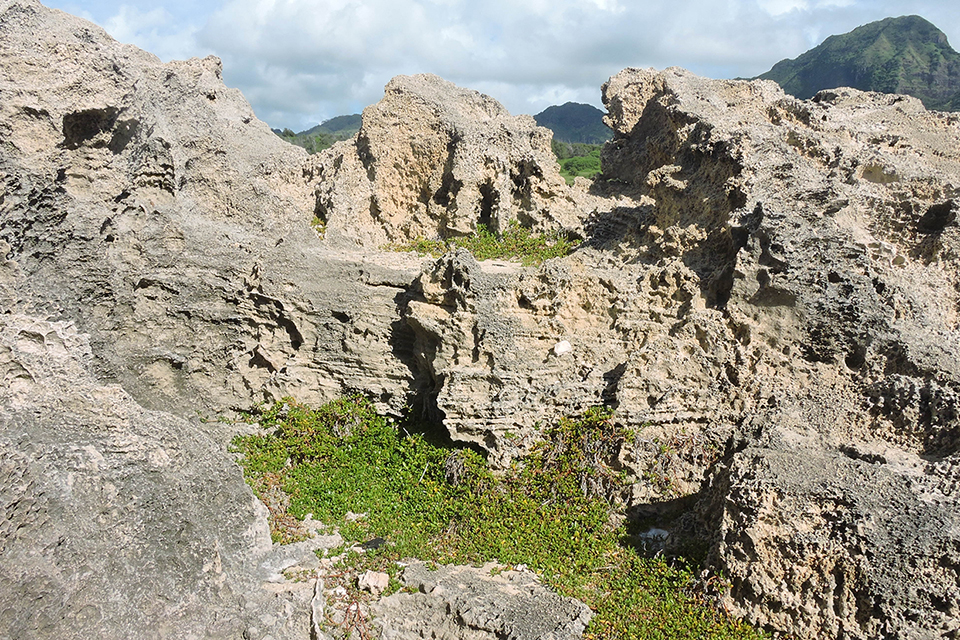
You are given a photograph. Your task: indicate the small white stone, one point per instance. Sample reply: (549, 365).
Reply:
(375, 582)
(562, 347)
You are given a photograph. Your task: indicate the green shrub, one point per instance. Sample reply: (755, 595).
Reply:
(516, 243)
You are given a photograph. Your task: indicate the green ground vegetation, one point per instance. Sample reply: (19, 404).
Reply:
(516, 243)
(577, 159)
(552, 511)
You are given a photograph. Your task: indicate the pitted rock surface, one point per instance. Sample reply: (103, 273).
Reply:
(758, 262)
(433, 160)
(486, 603)
(768, 293)
(146, 203)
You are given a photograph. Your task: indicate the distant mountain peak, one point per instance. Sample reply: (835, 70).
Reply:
(575, 122)
(906, 55)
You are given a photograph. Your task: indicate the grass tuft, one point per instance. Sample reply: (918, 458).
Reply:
(516, 243)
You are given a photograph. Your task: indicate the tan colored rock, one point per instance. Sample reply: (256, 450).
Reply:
(376, 582)
(769, 282)
(433, 160)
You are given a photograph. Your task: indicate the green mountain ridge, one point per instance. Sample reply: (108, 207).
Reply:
(339, 125)
(907, 55)
(574, 122)
(325, 134)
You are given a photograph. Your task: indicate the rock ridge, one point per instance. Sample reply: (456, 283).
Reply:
(767, 293)
(433, 160)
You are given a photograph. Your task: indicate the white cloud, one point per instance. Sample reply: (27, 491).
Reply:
(302, 61)
(779, 7)
(130, 22)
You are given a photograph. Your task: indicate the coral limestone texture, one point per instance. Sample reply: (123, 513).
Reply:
(767, 293)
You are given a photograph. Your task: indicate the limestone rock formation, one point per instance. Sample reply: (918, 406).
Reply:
(767, 280)
(433, 160)
(156, 263)
(486, 603)
(144, 202)
(151, 232)
(768, 293)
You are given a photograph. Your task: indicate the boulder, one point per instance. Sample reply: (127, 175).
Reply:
(491, 602)
(117, 521)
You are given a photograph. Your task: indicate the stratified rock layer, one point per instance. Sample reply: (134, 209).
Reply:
(150, 223)
(151, 234)
(433, 160)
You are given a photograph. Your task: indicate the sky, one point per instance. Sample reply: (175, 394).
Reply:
(300, 62)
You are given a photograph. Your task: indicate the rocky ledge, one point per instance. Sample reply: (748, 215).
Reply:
(767, 292)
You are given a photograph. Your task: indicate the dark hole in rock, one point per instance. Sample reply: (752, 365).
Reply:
(611, 387)
(80, 126)
(937, 217)
(488, 200)
(320, 211)
(856, 358)
(833, 277)
(259, 361)
(122, 135)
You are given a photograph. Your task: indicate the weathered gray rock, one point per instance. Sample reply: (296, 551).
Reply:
(486, 603)
(119, 522)
(144, 202)
(857, 543)
(153, 236)
(433, 160)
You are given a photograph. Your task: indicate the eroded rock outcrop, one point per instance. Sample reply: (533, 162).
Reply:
(153, 226)
(767, 280)
(118, 522)
(151, 230)
(768, 292)
(433, 160)
(144, 202)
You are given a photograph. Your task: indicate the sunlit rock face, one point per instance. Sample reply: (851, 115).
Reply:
(767, 293)
(433, 160)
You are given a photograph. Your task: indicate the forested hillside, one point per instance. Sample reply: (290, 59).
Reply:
(575, 123)
(898, 55)
(323, 135)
